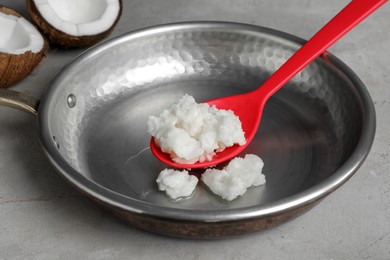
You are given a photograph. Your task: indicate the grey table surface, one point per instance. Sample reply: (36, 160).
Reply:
(42, 217)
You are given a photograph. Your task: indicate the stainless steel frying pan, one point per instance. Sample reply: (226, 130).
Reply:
(314, 135)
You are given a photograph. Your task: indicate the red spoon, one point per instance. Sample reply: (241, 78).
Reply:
(254, 101)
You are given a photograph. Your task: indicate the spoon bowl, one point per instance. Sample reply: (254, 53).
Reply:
(249, 106)
(242, 105)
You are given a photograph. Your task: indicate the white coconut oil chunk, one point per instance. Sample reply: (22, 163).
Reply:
(18, 35)
(192, 132)
(176, 184)
(79, 18)
(234, 180)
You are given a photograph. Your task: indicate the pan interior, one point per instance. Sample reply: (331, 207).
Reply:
(99, 106)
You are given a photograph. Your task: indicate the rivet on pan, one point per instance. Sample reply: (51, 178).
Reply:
(71, 100)
(56, 142)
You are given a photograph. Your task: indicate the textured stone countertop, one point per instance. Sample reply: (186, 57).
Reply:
(42, 217)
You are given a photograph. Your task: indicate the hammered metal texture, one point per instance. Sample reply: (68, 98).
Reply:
(98, 109)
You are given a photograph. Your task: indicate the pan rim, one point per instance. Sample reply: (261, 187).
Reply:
(114, 199)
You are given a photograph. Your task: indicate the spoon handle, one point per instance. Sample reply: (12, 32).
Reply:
(343, 22)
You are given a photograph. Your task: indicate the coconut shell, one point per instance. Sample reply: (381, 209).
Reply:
(63, 40)
(15, 67)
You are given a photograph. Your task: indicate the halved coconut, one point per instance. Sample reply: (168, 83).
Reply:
(22, 47)
(75, 23)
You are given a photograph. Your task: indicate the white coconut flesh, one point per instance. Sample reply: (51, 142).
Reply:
(79, 17)
(18, 35)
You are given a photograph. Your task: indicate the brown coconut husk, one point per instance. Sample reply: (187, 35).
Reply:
(63, 40)
(15, 67)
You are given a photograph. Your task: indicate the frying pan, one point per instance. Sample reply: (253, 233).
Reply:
(315, 132)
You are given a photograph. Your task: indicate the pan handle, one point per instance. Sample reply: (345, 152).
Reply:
(19, 101)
